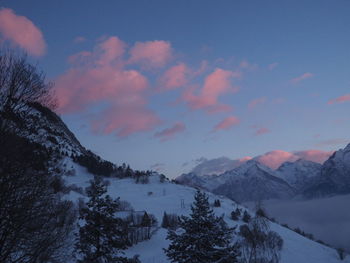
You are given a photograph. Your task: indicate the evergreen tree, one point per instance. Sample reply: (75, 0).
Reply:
(246, 217)
(103, 236)
(146, 220)
(217, 203)
(204, 238)
(165, 221)
(235, 214)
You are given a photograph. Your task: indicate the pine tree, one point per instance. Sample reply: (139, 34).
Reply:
(146, 220)
(246, 217)
(165, 221)
(204, 238)
(103, 236)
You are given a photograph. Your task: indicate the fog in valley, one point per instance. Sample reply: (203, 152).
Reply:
(327, 219)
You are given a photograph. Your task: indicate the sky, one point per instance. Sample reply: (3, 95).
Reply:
(165, 84)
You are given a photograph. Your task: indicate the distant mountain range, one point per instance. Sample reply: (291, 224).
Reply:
(253, 181)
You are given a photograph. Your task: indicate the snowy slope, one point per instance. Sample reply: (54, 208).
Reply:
(167, 197)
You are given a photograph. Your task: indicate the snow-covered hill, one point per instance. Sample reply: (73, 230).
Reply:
(157, 198)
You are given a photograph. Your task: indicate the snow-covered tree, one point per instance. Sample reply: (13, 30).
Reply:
(102, 235)
(202, 237)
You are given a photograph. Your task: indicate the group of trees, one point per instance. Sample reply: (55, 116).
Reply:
(103, 233)
(204, 237)
(34, 222)
(170, 221)
(99, 167)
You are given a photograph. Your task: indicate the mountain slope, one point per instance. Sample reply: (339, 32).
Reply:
(334, 177)
(249, 182)
(253, 181)
(299, 174)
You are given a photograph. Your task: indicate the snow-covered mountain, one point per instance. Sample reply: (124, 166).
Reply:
(159, 196)
(334, 177)
(299, 174)
(215, 166)
(249, 182)
(253, 181)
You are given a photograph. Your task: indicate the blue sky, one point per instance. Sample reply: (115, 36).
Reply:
(269, 75)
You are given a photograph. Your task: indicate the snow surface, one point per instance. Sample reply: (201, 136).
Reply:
(156, 197)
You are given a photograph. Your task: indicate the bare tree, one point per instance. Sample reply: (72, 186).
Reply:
(259, 244)
(22, 83)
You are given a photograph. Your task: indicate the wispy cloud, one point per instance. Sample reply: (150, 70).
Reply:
(272, 65)
(79, 39)
(302, 77)
(332, 142)
(261, 131)
(227, 123)
(170, 133)
(255, 102)
(341, 99)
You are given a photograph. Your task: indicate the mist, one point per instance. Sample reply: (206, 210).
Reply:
(328, 219)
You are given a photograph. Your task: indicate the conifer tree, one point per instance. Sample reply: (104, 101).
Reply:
(165, 221)
(146, 220)
(204, 238)
(102, 236)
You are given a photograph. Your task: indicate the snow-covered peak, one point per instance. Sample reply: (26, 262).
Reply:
(252, 168)
(215, 166)
(299, 174)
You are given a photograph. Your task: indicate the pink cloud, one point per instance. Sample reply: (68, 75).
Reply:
(254, 103)
(227, 123)
(175, 77)
(245, 159)
(272, 66)
(248, 66)
(215, 84)
(261, 131)
(274, 159)
(341, 99)
(101, 79)
(302, 77)
(79, 39)
(169, 133)
(22, 32)
(151, 54)
(314, 155)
